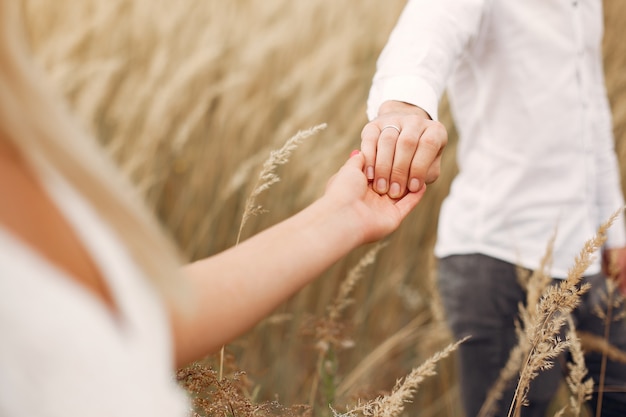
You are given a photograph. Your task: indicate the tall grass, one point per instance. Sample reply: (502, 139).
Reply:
(190, 97)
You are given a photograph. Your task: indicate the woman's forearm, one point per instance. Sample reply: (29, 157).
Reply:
(232, 291)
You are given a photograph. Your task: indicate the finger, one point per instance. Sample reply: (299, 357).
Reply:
(356, 160)
(407, 203)
(405, 150)
(385, 152)
(369, 141)
(425, 166)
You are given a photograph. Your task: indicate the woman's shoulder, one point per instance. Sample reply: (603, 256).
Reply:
(64, 354)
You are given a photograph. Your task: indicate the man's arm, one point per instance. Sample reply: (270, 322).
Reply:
(403, 141)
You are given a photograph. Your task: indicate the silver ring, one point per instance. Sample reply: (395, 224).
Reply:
(391, 126)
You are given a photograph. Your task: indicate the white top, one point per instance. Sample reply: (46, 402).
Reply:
(526, 88)
(62, 353)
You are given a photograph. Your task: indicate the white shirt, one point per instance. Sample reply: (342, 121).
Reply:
(62, 353)
(526, 87)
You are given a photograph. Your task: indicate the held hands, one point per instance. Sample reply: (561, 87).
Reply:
(375, 215)
(402, 149)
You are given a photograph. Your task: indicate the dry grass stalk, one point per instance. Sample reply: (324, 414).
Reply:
(552, 311)
(355, 274)
(613, 300)
(217, 397)
(535, 285)
(540, 278)
(507, 374)
(392, 405)
(580, 388)
(435, 303)
(375, 358)
(268, 177)
(611, 288)
(592, 343)
(329, 331)
(546, 345)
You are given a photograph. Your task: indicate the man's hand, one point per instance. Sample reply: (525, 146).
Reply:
(402, 149)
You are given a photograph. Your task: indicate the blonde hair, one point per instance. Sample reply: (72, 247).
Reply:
(38, 123)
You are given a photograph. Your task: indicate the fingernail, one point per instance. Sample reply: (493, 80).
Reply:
(394, 190)
(370, 173)
(354, 152)
(381, 185)
(414, 185)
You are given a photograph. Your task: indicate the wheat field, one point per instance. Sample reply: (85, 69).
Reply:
(190, 97)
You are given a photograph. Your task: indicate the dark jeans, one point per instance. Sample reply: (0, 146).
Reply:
(481, 297)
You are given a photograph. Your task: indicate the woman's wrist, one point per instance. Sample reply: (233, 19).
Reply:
(338, 220)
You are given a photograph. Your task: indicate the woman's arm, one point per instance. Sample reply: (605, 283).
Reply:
(233, 290)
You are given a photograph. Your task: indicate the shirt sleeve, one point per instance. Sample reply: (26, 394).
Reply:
(610, 196)
(421, 52)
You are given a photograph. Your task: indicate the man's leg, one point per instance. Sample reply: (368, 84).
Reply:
(595, 317)
(481, 297)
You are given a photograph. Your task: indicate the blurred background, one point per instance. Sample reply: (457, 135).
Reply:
(190, 97)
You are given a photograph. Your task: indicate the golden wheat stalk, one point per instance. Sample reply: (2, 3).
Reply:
(552, 311)
(507, 374)
(343, 300)
(377, 357)
(580, 388)
(328, 330)
(592, 343)
(268, 177)
(540, 278)
(392, 405)
(610, 300)
(535, 285)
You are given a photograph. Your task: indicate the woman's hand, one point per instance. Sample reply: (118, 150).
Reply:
(376, 215)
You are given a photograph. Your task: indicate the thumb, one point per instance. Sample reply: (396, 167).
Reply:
(356, 160)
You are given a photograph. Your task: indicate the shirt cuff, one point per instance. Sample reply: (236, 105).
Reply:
(408, 89)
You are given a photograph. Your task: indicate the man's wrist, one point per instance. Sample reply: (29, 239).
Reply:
(392, 106)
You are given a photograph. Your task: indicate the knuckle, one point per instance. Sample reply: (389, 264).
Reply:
(440, 131)
(369, 132)
(399, 174)
(433, 174)
(430, 141)
(408, 143)
(416, 119)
